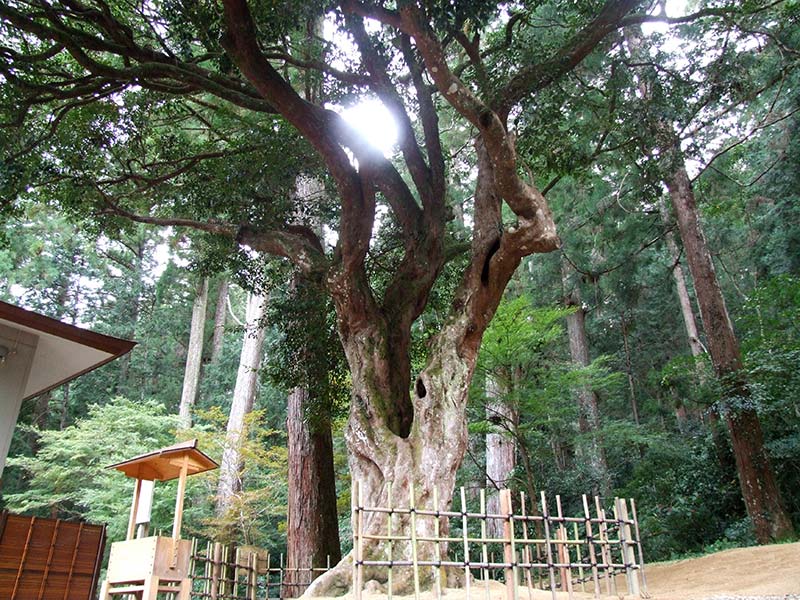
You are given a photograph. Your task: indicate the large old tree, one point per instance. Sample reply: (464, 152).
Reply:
(199, 116)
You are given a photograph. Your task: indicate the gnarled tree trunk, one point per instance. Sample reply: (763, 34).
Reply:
(420, 440)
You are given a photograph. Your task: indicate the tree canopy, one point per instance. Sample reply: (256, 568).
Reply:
(225, 121)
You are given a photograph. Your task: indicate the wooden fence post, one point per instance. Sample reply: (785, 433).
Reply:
(628, 554)
(215, 570)
(465, 535)
(639, 546)
(437, 569)
(390, 549)
(563, 550)
(355, 522)
(508, 545)
(412, 508)
(484, 549)
(605, 549)
(526, 548)
(592, 553)
(579, 555)
(548, 549)
(269, 563)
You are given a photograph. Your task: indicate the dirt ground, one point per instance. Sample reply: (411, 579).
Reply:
(768, 572)
(758, 571)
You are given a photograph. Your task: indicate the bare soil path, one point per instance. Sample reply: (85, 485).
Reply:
(760, 571)
(757, 573)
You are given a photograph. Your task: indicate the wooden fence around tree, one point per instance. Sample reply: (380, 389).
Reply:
(595, 552)
(49, 559)
(221, 572)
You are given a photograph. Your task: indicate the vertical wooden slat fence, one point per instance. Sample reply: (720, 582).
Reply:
(45, 559)
(539, 548)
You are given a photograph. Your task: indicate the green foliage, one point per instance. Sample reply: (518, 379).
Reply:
(308, 354)
(770, 322)
(524, 356)
(259, 511)
(68, 475)
(685, 503)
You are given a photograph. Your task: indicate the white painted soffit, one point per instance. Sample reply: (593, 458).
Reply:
(63, 351)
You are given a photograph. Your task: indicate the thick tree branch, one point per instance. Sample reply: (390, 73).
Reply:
(152, 69)
(211, 226)
(318, 125)
(538, 76)
(298, 244)
(378, 68)
(525, 200)
(430, 126)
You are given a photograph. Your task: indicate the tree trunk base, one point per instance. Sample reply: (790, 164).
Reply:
(336, 582)
(339, 580)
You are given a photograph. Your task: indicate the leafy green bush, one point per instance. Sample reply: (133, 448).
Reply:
(685, 499)
(69, 477)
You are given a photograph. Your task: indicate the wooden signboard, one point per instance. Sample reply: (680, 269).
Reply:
(150, 565)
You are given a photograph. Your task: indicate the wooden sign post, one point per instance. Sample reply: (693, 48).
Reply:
(154, 564)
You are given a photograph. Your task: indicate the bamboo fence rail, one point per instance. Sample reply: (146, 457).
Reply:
(539, 548)
(221, 572)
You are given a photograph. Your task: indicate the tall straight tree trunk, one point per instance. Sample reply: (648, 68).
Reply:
(588, 405)
(687, 312)
(689, 322)
(759, 488)
(220, 314)
(623, 324)
(760, 491)
(312, 535)
(244, 393)
(501, 450)
(194, 356)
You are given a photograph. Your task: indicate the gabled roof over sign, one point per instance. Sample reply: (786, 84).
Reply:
(165, 464)
(63, 351)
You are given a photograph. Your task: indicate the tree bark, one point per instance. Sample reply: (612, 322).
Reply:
(244, 393)
(312, 535)
(689, 322)
(588, 404)
(687, 312)
(220, 313)
(756, 477)
(194, 356)
(427, 454)
(623, 324)
(501, 452)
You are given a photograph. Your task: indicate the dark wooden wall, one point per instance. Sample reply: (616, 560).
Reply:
(49, 559)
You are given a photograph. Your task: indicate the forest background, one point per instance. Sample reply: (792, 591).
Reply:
(609, 293)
